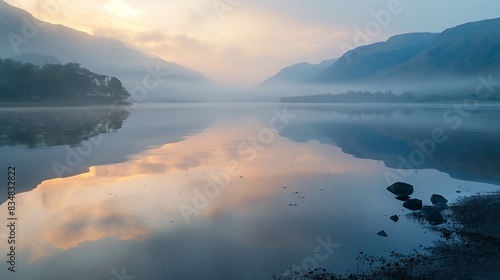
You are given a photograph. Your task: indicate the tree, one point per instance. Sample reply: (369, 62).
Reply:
(116, 89)
(56, 82)
(407, 96)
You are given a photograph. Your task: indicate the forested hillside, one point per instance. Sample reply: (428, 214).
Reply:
(56, 82)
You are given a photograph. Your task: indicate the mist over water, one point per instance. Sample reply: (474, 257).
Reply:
(264, 185)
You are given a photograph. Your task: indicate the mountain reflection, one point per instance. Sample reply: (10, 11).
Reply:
(58, 126)
(357, 110)
(470, 152)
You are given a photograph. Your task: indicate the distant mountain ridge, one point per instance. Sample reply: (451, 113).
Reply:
(36, 59)
(468, 49)
(366, 61)
(457, 53)
(299, 72)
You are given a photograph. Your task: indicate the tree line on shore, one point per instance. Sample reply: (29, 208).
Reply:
(26, 82)
(352, 96)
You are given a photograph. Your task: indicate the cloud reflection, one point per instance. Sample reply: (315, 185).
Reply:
(139, 197)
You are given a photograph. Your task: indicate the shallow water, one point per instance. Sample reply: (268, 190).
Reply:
(230, 191)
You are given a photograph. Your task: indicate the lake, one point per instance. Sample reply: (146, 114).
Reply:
(230, 191)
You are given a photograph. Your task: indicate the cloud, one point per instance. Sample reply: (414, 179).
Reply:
(155, 40)
(90, 223)
(121, 9)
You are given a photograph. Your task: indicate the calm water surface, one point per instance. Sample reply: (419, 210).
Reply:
(230, 191)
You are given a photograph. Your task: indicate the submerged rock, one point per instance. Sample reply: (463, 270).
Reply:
(382, 233)
(441, 205)
(413, 204)
(437, 198)
(426, 209)
(434, 217)
(400, 188)
(403, 197)
(395, 218)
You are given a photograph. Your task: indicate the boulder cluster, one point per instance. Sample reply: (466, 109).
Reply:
(431, 213)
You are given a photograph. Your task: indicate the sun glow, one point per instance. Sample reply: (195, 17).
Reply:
(121, 9)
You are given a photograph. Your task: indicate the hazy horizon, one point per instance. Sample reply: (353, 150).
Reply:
(242, 43)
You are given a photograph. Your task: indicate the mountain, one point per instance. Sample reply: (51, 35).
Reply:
(464, 51)
(467, 50)
(447, 63)
(36, 59)
(299, 72)
(26, 34)
(366, 61)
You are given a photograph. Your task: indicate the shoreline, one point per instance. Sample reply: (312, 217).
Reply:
(4, 105)
(469, 248)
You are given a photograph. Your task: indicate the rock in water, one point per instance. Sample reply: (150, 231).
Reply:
(382, 233)
(413, 204)
(395, 218)
(441, 205)
(437, 198)
(434, 217)
(426, 209)
(400, 188)
(402, 197)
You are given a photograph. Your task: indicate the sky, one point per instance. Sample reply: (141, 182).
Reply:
(243, 42)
